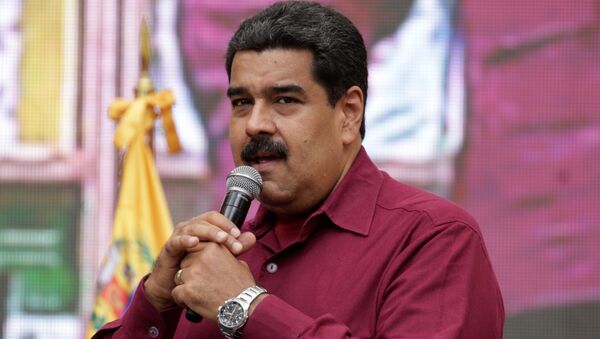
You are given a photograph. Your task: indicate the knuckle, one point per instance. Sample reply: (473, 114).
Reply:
(169, 249)
(191, 229)
(213, 217)
(209, 215)
(230, 241)
(180, 226)
(175, 294)
(187, 228)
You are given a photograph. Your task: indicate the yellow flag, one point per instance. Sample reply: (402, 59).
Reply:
(142, 221)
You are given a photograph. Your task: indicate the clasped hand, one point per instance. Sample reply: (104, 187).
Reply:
(205, 247)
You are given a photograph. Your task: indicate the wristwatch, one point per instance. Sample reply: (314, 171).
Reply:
(233, 314)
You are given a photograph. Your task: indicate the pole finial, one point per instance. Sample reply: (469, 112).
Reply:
(144, 85)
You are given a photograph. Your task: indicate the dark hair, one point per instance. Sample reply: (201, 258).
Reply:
(339, 52)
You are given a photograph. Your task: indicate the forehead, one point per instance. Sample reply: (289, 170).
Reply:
(272, 67)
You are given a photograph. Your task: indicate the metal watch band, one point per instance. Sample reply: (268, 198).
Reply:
(237, 334)
(251, 293)
(245, 299)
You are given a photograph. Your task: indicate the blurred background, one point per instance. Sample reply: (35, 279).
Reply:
(493, 104)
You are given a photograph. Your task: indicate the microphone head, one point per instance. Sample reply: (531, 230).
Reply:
(245, 179)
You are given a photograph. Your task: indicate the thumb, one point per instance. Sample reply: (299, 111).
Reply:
(245, 264)
(247, 239)
(175, 249)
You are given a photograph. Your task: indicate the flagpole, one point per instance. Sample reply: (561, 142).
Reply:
(142, 221)
(145, 86)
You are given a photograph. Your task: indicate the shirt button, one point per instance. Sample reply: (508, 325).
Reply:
(272, 267)
(153, 332)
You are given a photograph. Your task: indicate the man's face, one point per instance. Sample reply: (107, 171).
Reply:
(283, 125)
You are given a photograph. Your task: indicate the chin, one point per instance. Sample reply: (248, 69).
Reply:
(273, 199)
(268, 200)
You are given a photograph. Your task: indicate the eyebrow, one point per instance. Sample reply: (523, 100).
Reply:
(233, 91)
(287, 89)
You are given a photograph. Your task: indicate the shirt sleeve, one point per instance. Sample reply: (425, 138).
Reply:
(142, 320)
(274, 318)
(441, 286)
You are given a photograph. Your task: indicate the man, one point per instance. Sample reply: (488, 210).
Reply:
(342, 249)
(204, 30)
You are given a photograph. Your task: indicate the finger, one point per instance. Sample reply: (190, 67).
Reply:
(240, 245)
(177, 245)
(181, 296)
(235, 246)
(207, 252)
(205, 231)
(217, 219)
(221, 221)
(178, 295)
(247, 240)
(199, 247)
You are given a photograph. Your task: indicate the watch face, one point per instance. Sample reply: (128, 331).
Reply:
(231, 314)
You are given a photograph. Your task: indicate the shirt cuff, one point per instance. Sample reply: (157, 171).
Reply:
(142, 320)
(274, 318)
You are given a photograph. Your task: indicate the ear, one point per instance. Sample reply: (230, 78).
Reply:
(352, 107)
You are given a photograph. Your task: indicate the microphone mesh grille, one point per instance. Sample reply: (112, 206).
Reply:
(245, 178)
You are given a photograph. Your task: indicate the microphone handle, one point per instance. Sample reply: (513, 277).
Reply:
(235, 207)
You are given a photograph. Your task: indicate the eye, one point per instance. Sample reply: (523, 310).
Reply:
(240, 102)
(286, 100)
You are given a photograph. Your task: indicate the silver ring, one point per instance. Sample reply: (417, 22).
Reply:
(178, 280)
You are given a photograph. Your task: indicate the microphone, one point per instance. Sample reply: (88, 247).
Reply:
(244, 183)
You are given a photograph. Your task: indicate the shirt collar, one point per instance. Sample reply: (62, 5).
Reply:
(350, 206)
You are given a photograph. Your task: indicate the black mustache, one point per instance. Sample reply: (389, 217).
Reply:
(263, 145)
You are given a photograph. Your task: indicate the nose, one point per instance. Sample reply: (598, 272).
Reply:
(260, 120)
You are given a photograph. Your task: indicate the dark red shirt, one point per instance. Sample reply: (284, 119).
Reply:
(378, 259)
